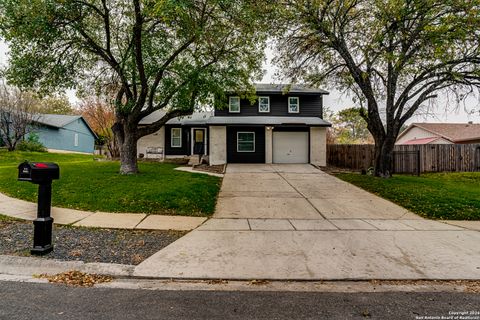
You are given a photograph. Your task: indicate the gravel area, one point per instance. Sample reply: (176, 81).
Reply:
(87, 244)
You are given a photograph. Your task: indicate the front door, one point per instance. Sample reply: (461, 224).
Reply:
(198, 141)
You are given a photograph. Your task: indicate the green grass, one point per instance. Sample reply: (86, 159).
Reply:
(454, 196)
(96, 185)
(4, 218)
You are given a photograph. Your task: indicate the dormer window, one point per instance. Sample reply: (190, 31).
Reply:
(234, 104)
(293, 105)
(263, 104)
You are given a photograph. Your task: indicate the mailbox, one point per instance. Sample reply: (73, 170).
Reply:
(41, 173)
(38, 172)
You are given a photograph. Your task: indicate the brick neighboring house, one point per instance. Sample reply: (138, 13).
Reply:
(440, 133)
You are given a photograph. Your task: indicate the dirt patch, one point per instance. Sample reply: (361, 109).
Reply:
(335, 170)
(77, 278)
(471, 286)
(220, 169)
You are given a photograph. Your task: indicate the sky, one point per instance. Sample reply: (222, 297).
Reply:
(337, 100)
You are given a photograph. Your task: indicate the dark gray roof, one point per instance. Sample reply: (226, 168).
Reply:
(195, 118)
(286, 88)
(259, 120)
(60, 121)
(55, 120)
(153, 117)
(207, 118)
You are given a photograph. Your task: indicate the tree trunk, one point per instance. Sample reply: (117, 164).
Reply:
(128, 157)
(127, 142)
(384, 157)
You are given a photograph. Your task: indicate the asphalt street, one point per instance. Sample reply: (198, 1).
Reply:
(49, 301)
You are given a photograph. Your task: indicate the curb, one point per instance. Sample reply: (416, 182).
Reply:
(28, 266)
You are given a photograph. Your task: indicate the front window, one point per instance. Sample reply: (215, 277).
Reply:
(293, 105)
(263, 104)
(245, 141)
(75, 142)
(234, 104)
(176, 138)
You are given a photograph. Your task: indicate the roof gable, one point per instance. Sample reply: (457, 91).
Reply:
(454, 132)
(61, 120)
(55, 120)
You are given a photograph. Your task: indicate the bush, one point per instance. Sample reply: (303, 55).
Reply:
(32, 144)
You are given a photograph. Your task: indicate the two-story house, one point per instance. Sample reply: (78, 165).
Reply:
(278, 128)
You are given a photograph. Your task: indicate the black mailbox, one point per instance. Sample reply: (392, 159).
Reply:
(38, 172)
(41, 173)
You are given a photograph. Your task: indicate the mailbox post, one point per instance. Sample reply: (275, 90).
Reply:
(41, 173)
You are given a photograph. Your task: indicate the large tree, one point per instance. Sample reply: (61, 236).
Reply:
(101, 116)
(17, 115)
(170, 55)
(394, 55)
(55, 104)
(350, 127)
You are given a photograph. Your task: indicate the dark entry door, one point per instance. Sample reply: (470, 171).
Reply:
(198, 141)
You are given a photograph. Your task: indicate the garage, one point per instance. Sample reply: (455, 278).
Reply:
(290, 147)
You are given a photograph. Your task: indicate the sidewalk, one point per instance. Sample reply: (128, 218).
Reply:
(28, 211)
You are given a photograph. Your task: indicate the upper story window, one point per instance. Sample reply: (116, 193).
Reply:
(263, 104)
(293, 105)
(234, 104)
(176, 138)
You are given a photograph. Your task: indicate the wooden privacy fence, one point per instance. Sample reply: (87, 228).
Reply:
(433, 157)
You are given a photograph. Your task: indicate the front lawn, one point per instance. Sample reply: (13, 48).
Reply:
(453, 196)
(96, 185)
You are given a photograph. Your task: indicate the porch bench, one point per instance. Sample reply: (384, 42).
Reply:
(153, 151)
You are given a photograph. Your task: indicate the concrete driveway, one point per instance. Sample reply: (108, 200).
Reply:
(295, 222)
(297, 192)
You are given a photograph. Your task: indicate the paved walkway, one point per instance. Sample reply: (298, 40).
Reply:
(27, 210)
(294, 222)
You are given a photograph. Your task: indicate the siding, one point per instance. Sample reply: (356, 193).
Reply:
(185, 149)
(156, 140)
(64, 138)
(310, 106)
(246, 157)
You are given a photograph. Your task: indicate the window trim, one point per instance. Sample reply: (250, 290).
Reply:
(298, 105)
(230, 104)
(75, 142)
(171, 138)
(238, 132)
(268, 98)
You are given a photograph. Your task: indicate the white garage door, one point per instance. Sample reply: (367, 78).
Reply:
(290, 147)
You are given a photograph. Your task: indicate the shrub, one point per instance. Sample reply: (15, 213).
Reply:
(32, 144)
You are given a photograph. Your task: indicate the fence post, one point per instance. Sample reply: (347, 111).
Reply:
(393, 162)
(418, 162)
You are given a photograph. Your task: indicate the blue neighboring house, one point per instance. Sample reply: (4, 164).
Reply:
(65, 133)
